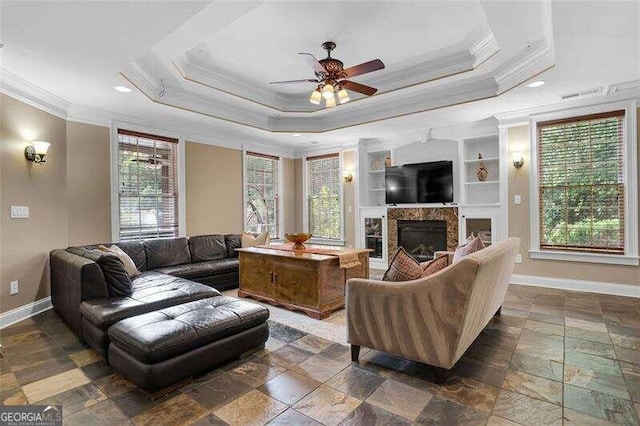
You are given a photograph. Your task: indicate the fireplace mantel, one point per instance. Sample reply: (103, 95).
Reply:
(446, 213)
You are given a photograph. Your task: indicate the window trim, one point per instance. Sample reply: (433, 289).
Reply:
(630, 256)
(280, 236)
(115, 211)
(305, 197)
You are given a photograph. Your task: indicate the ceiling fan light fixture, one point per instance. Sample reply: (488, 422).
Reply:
(343, 96)
(331, 102)
(316, 97)
(327, 91)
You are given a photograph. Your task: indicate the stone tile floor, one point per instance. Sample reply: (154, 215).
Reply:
(552, 357)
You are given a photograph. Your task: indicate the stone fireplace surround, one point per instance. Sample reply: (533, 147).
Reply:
(447, 214)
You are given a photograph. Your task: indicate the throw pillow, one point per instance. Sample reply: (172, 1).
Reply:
(472, 245)
(402, 267)
(433, 266)
(115, 276)
(129, 264)
(249, 240)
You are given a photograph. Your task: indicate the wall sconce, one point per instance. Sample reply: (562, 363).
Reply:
(37, 151)
(348, 176)
(518, 159)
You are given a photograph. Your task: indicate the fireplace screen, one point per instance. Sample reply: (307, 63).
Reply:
(422, 238)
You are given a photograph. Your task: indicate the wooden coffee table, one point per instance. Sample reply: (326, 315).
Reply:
(307, 282)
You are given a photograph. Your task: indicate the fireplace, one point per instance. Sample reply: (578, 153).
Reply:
(422, 238)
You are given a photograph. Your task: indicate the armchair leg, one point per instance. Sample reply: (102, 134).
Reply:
(499, 311)
(355, 353)
(440, 375)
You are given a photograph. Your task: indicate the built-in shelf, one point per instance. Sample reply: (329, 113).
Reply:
(486, 160)
(376, 189)
(376, 171)
(486, 182)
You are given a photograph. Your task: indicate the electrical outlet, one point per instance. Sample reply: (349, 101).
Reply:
(517, 199)
(518, 258)
(14, 288)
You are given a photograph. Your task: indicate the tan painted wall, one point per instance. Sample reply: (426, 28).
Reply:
(289, 189)
(298, 192)
(349, 199)
(88, 183)
(519, 226)
(213, 189)
(25, 243)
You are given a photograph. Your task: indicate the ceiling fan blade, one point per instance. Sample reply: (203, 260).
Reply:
(357, 87)
(294, 81)
(313, 63)
(364, 68)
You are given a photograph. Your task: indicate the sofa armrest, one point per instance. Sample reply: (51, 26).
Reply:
(74, 279)
(418, 320)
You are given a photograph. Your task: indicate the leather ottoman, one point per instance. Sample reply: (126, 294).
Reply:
(159, 349)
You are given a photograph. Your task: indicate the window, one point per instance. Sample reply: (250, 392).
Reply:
(262, 212)
(147, 186)
(324, 208)
(581, 183)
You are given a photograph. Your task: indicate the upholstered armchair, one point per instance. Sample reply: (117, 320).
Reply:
(435, 319)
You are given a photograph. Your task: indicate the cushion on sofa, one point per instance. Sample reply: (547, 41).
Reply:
(435, 265)
(115, 275)
(472, 245)
(251, 240)
(207, 247)
(135, 250)
(201, 269)
(169, 332)
(233, 242)
(402, 267)
(150, 291)
(163, 252)
(129, 264)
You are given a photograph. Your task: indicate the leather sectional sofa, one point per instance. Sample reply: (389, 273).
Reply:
(174, 322)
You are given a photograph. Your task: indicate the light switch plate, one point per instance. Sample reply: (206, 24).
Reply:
(517, 199)
(518, 258)
(14, 288)
(19, 212)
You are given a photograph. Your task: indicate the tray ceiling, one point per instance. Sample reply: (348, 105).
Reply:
(446, 62)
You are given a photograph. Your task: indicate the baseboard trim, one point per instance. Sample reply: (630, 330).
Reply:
(577, 285)
(24, 312)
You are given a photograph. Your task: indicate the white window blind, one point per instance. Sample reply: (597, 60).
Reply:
(324, 197)
(147, 186)
(261, 194)
(581, 183)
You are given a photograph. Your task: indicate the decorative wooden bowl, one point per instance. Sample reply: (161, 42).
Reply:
(298, 239)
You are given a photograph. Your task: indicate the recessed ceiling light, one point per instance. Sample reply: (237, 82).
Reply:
(537, 83)
(122, 89)
(296, 134)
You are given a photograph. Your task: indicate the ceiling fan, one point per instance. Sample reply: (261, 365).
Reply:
(331, 75)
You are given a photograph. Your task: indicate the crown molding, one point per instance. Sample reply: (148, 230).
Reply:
(195, 71)
(33, 95)
(485, 48)
(530, 61)
(521, 117)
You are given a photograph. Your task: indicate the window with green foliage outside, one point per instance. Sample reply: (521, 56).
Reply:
(261, 194)
(581, 183)
(147, 186)
(324, 197)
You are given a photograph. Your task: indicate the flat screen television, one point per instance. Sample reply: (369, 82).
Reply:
(419, 183)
